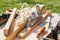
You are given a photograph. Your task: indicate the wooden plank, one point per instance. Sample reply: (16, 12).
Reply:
(7, 26)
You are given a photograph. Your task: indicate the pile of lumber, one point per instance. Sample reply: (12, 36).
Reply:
(26, 21)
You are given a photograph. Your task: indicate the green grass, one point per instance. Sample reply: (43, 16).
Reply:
(53, 5)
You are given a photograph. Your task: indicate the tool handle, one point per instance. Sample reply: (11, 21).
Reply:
(41, 30)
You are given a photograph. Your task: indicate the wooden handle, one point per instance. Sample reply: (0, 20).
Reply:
(14, 34)
(23, 35)
(41, 30)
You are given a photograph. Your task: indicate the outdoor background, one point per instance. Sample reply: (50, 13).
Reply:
(53, 5)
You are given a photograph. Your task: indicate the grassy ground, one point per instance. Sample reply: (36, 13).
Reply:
(54, 5)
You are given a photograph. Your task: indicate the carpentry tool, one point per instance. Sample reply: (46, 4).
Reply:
(22, 35)
(7, 26)
(20, 24)
(28, 31)
(41, 32)
(18, 30)
(19, 21)
(45, 27)
(35, 14)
